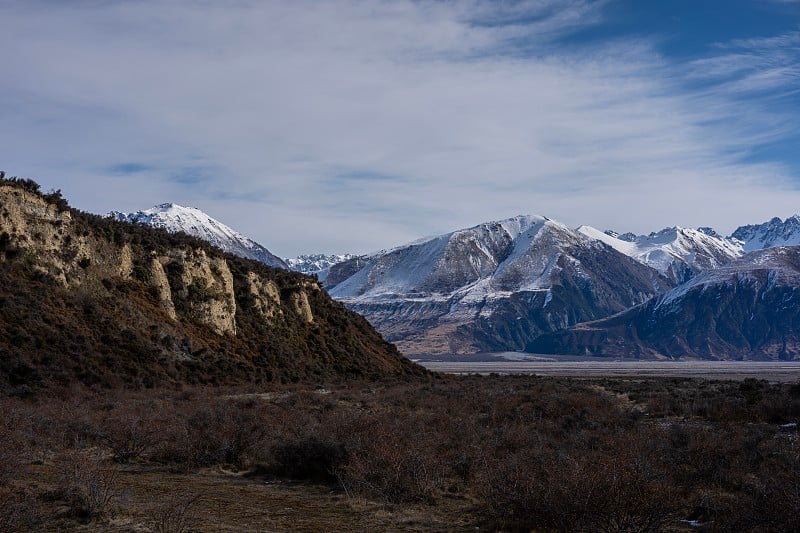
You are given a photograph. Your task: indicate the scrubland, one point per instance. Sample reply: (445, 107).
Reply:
(490, 453)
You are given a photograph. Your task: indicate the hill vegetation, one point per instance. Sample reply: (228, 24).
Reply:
(105, 303)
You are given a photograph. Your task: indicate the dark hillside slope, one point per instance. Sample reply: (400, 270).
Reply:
(749, 309)
(107, 303)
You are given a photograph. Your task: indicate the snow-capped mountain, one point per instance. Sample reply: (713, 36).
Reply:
(677, 253)
(190, 220)
(776, 232)
(316, 263)
(749, 308)
(494, 286)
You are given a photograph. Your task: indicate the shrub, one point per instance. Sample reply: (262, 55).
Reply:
(395, 459)
(211, 433)
(87, 486)
(129, 436)
(174, 514)
(307, 458)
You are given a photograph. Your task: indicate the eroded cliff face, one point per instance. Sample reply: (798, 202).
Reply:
(298, 297)
(266, 296)
(185, 279)
(158, 280)
(92, 300)
(206, 284)
(54, 245)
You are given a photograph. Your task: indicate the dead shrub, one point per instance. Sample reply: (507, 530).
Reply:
(129, 437)
(393, 459)
(86, 484)
(175, 514)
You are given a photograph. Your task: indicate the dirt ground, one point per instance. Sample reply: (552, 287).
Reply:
(219, 500)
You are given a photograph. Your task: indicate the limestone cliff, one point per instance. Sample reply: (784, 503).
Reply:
(61, 248)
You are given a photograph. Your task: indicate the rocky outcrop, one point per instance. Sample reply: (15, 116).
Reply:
(90, 298)
(54, 244)
(265, 294)
(206, 283)
(300, 302)
(158, 280)
(58, 247)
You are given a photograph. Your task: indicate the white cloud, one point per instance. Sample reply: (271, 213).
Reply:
(351, 126)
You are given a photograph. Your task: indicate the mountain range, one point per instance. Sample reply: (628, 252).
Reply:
(317, 264)
(492, 287)
(747, 309)
(519, 283)
(677, 253)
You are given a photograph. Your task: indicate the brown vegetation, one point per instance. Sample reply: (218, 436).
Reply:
(496, 453)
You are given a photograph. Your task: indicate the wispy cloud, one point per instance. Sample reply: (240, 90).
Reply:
(350, 126)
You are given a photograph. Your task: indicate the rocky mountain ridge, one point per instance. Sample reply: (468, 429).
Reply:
(677, 253)
(776, 232)
(491, 287)
(317, 264)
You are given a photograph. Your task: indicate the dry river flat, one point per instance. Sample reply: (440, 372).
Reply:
(517, 363)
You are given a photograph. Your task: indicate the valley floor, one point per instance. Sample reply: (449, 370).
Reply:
(570, 366)
(471, 453)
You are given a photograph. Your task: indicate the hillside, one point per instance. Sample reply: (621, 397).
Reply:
(91, 299)
(749, 309)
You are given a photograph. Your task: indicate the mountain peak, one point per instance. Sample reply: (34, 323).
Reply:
(490, 287)
(191, 220)
(776, 232)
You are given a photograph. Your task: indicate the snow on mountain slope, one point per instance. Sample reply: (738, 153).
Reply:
(490, 287)
(776, 232)
(190, 220)
(318, 264)
(678, 253)
(749, 308)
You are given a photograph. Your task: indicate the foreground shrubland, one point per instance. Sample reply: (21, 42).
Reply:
(497, 453)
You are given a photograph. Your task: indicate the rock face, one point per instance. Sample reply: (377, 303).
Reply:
(749, 309)
(208, 286)
(492, 287)
(192, 221)
(89, 298)
(677, 253)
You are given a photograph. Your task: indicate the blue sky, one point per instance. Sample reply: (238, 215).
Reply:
(351, 126)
